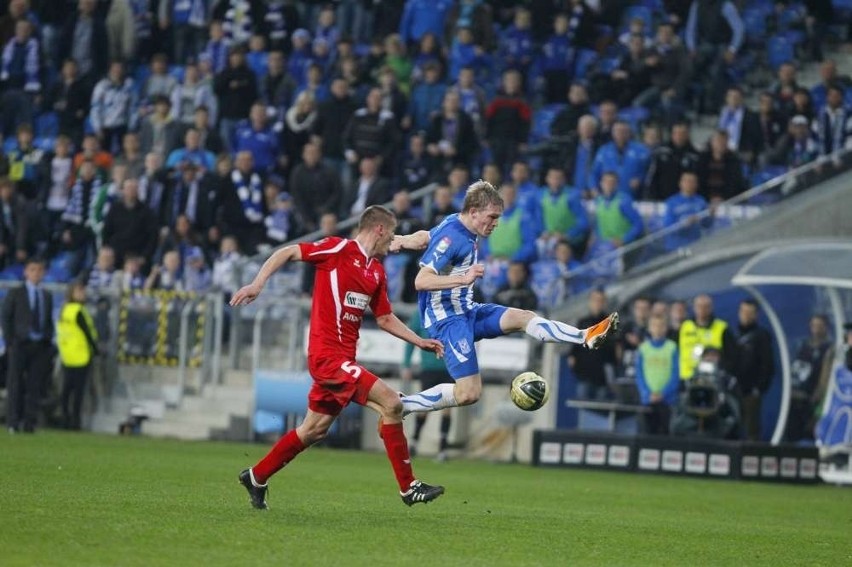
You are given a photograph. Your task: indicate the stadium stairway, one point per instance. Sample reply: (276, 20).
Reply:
(218, 412)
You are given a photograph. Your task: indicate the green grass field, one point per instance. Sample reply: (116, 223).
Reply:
(98, 500)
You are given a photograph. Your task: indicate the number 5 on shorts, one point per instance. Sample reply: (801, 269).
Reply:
(351, 368)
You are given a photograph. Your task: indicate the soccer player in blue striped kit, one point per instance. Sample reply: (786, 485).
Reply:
(448, 269)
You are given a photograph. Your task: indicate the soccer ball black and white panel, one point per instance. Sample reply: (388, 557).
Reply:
(529, 391)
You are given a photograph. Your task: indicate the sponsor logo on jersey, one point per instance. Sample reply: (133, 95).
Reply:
(356, 300)
(443, 245)
(464, 346)
(351, 317)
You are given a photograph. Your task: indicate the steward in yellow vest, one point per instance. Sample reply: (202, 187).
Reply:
(77, 339)
(704, 331)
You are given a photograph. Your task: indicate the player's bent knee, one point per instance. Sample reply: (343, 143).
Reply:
(465, 397)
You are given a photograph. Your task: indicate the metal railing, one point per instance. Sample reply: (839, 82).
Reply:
(644, 253)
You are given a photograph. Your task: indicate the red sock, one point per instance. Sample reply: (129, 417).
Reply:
(284, 451)
(397, 449)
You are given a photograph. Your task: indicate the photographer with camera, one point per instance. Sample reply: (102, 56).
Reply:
(708, 406)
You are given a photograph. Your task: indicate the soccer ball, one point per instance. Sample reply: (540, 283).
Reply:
(529, 391)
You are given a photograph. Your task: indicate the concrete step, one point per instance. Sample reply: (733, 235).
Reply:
(220, 404)
(173, 430)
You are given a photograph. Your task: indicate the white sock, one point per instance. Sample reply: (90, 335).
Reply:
(253, 481)
(549, 331)
(433, 399)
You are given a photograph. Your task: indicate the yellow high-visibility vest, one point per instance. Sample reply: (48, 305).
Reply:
(74, 349)
(692, 336)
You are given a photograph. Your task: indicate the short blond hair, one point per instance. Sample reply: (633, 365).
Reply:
(376, 215)
(481, 194)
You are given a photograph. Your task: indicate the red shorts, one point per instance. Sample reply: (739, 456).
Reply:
(336, 384)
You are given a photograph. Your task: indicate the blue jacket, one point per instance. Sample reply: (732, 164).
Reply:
(420, 17)
(425, 99)
(678, 208)
(557, 54)
(516, 47)
(262, 144)
(298, 64)
(671, 388)
(630, 163)
(464, 55)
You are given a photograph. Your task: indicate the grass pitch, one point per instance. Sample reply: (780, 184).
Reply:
(80, 499)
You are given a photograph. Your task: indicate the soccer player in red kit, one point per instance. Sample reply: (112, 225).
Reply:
(349, 278)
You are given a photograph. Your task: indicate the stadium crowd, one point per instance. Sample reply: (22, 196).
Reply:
(167, 139)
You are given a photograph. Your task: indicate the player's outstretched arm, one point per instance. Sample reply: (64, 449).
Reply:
(415, 241)
(275, 262)
(390, 323)
(428, 280)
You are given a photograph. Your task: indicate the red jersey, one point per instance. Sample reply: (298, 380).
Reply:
(347, 281)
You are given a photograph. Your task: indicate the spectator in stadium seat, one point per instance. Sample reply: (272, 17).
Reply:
(189, 196)
(187, 21)
(678, 313)
(102, 275)
(70, 98)
(191, 152)
(616, 219)
(720, 171)
(517, 231)
(241, 204)
(705, 331)
(225, 272)
(563, 215)
(327, 227)
(236, 89)
(773, 122)
(795, 148)
(371, 132)
(607, 117)
(755, 366)
(832, 127)
(421, 17)
(332, 117)
(257, 57)
(314, 84)
(472, 97)
(197, 276)
(557, 61)
(517, 292)
(393, 96)
(280, 220)
(191, 94)
(458, 181)
(131, 156)
(657, 376)
(129, 226)
(714, 36)
(784, 86)
(20, 76)
(407, 223)
(369, 189)
(179, 236)
(507, 120)
(686, 207)
(426, 98)
(567, 121)
(280, 20)
(276, 87)
(57, 168)
(159, 83)
(632, 77)
(84, 39)
(593, 369)
(114, 108)
(580, 153)
(442, 206)
(315, 188)
(14, 225)
(159, 130)
(257, 137)
(465, 53)
(811, 370)
(623, 156)
(670, 70)
(25, 163)
(828, 76)
(427, 52)
(208, 136)
(451, 137)
(397, 61)
(153, 184)
(742, 125)
(417, 168)
(130, 277)
(802, 104)
(166, 276)
(474, 14)
(239, 18)
(78, 220)
(668, 162)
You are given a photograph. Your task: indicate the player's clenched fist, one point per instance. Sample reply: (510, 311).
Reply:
(475, 272)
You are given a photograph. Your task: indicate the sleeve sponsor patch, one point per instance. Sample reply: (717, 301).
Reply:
(443, 245)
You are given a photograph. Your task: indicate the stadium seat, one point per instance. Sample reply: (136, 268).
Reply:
(47, 124)
(607, 65)
(45, 143)
(9, 144)
(583, 63)
(177, 71)
(641, 12)
(544, 281)
(635, 116)
(779, 50)
(755, 27)
(541, 121)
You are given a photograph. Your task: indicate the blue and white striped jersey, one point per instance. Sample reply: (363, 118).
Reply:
(452, 250)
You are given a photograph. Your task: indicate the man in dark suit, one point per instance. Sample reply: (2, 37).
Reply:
(28, 327)
(369, 189)
(745, 135)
